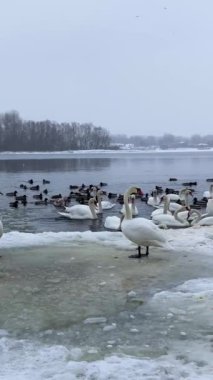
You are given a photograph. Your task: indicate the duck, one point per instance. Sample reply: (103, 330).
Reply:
(21, 197)
(22, 186)
(112, 195)
(13, 194)
(41, 202)
(81, 211)
(38, 196)
(14, 204)
(37, 187)
(140, 231)
(45, 182)
(56, 196)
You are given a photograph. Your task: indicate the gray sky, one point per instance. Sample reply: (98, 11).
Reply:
(131, 66)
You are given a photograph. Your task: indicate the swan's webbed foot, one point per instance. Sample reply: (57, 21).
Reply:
(139, 255)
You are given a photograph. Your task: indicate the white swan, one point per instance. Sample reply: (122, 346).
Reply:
(107, 205)
(140, 231)
(133, 207)
(206, 221)
(187, 219)
(173, 197)
(103, 205)
(165, 219)
(208, 193)
(173, 206)
(163, 207)
(81, 211)
(1, 228)
(209, 205)
(113, 223)
(154, 200)
(185, 203)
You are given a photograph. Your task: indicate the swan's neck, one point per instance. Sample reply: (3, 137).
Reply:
(177, 217)
(92, 209)
(99, 204)
(166, 205)
(133, 204)
(187, 200)
(197, 218)
(155, 196)
(128, 213)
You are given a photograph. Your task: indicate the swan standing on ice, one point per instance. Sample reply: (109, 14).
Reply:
(81, 211)
(140, 231)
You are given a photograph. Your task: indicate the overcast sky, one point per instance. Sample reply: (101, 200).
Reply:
(130, 66)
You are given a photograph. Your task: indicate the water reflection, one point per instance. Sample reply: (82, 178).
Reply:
(54, 165)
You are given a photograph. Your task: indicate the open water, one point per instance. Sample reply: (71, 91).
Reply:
(73, 305)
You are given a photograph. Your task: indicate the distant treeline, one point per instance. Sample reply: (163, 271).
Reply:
(20, 135)
(166, 141)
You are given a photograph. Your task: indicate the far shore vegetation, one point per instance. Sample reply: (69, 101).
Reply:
(18, 135)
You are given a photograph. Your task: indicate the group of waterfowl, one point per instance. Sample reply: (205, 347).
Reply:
(173, 209)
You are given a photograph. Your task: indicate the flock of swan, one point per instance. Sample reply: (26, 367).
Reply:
(168, 213)
(142, 231)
